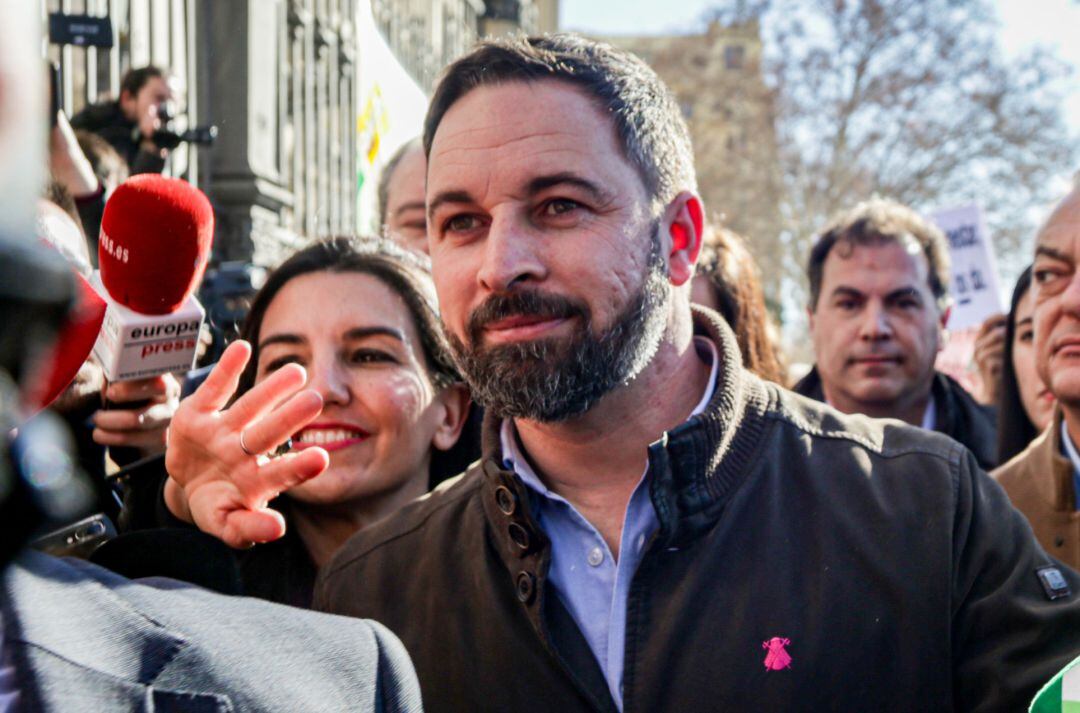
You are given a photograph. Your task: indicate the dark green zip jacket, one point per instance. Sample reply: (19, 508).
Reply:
(806, 561)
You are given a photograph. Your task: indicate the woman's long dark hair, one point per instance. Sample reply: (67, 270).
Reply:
(404, 272)
(1015, 430)
(735, 280)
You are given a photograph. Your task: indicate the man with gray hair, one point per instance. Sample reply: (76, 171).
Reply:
(651, 527)
(1044, 480)
(879, 303)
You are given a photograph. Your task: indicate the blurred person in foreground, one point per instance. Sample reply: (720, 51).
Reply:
(651, 527)
(1044, 480)
(1025, 403)
(359, 318)
(129, 123)
(401, 197)
(728, 281)
(76, 637)
(879, 303)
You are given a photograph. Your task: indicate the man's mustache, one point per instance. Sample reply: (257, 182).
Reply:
(525, 303)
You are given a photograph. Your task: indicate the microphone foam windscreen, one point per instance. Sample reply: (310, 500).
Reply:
(74, 341)
(154, 242)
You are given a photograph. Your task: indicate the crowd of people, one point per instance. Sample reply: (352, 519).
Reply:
(537, 446)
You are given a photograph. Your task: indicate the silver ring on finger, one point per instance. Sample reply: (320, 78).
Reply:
(244, 447)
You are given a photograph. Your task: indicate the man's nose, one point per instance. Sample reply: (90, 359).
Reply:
(328, 376)
(1070, 296)
(875, 325)
(511, 256)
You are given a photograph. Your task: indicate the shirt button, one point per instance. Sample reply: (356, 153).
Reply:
(596, 556)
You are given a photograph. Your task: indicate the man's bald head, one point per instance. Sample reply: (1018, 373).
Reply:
(1056, 294)
(1066, 212)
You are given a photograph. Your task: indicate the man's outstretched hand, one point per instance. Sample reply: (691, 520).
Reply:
(212, 482)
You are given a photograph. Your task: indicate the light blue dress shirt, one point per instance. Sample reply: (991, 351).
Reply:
(590, 583)
(1070, 451)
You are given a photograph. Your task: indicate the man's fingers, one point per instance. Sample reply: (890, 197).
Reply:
(221, 383)
(157, 387)
(990, 323)
(148, 419)
(268, 433)
(243, 528)
(262, 484)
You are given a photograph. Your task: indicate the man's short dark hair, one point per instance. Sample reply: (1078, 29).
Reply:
(135, 79)
(647, 119)
(876, 222)
(387, 174)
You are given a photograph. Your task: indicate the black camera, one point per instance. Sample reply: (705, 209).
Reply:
(167, 138)
(199, 135)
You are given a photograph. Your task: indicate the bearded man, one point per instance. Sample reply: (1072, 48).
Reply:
(651, 528)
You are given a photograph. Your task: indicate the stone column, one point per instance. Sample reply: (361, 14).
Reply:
(243, 175)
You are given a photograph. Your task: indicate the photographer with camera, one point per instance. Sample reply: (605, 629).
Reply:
(135, 122)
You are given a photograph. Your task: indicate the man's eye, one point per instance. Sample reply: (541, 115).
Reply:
(561, 206)
(461, 223)
(846, 305)
(1026, 336)
(1043, 276)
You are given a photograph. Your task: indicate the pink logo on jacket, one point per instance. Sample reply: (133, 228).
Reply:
(778, 658)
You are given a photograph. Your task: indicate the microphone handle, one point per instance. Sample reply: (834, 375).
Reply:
(123, 455)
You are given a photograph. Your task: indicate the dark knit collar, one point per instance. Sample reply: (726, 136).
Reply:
(701, 461)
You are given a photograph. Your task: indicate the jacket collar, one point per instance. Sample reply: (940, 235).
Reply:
(70, 632)
(693, 467)
(958, 415)
(1051, 469)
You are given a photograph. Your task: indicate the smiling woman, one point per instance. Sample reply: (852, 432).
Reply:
(360, 318)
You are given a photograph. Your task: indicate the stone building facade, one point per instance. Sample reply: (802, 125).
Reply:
(280, 80)
(716, 77)
(426, 35)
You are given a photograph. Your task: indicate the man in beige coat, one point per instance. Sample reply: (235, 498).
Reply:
(1043, 480)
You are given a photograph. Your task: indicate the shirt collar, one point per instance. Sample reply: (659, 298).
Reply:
(929, 419)
(514, 459)
(1069, 447)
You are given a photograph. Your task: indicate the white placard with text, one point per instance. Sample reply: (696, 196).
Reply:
(974, 284)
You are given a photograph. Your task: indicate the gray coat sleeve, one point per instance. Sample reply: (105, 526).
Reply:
(397, 688)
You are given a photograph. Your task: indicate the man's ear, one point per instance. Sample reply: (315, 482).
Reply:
(684, 223)
(945, 316)
(455, 410)
(810, 317)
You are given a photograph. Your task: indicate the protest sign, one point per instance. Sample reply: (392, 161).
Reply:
(974, 284)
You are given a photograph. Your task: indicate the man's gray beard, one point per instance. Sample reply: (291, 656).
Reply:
(551, 380)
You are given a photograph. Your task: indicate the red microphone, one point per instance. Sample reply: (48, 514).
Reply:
(153, 249)
(74, 340)
(154, 242)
